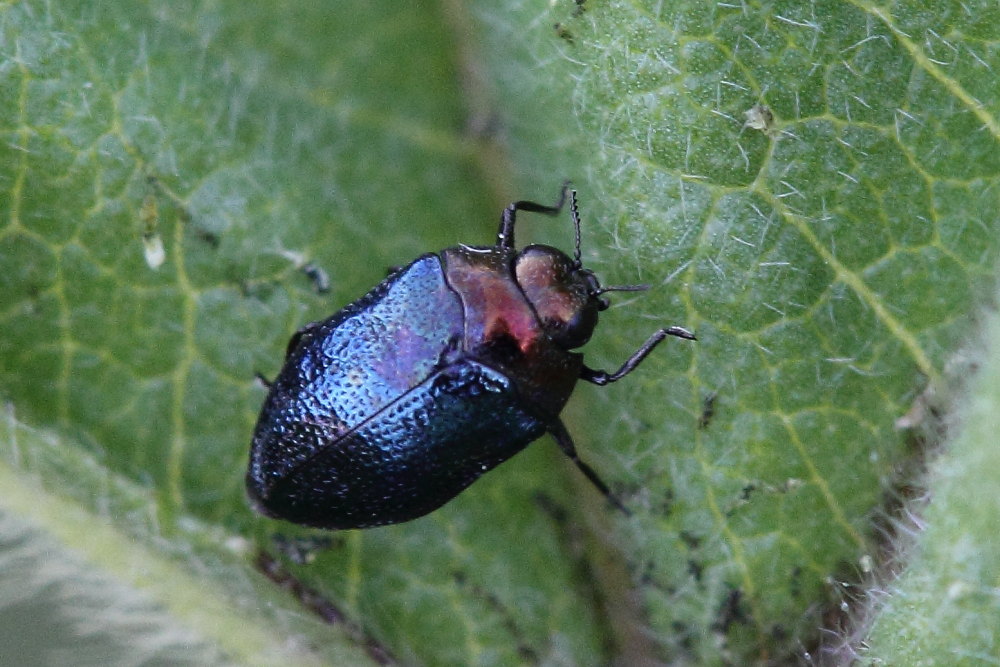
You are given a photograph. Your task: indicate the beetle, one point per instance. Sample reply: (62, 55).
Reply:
(392, 406)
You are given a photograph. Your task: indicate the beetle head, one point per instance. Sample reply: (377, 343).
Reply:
(565, 296)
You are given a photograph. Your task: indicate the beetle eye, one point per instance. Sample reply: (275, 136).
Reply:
(577, 330)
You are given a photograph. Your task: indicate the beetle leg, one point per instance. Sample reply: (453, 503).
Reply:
(293, 342)
(505, 235)
(602, 378)
(559, 432)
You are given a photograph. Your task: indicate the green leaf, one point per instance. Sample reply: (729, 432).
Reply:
(81, 580)
(831, 263)
(944, 608)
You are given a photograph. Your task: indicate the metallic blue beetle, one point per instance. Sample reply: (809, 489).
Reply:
(394, 405)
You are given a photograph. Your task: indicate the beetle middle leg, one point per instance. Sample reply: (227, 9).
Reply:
(565, 442)
(505, 235)
(602, 378)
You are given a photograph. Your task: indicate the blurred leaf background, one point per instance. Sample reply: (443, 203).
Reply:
(836, 263)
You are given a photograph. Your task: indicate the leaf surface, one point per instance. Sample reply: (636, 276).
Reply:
(830, 264)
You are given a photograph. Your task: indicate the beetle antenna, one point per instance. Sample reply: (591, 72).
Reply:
(621, 288)
(575, 213)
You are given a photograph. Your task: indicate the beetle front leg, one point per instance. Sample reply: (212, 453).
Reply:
(562, 436)
(602, 378)
(505, 235)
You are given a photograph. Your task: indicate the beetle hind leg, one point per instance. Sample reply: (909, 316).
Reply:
(565, 442)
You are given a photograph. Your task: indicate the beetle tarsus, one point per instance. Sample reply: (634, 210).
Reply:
(601, 378)
(565, 441)
(505, 235)
(680, 332)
